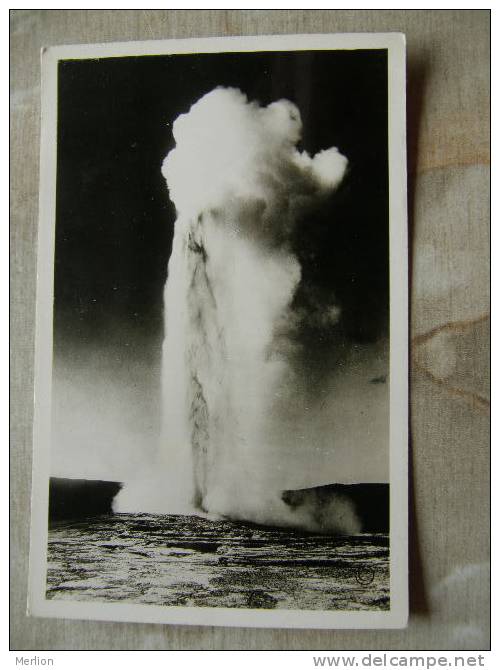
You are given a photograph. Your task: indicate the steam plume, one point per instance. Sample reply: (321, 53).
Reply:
(240, 188)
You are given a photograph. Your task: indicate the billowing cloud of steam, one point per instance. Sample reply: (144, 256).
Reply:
(240, 186)
(231, 153)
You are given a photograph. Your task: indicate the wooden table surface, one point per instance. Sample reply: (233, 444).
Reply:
(448, 139)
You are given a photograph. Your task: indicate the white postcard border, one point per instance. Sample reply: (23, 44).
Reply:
(396, 617)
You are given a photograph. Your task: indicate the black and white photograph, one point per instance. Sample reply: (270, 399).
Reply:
(221, 358)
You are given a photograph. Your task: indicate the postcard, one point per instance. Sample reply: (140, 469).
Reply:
(221, 391)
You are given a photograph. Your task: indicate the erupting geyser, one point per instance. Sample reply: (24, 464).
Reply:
(239, 186)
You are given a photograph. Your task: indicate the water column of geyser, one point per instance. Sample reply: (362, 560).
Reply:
(239, 185)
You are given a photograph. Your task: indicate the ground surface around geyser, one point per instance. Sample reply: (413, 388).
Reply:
(197, 562)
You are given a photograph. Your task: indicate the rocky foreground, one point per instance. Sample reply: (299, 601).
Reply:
(194, 561)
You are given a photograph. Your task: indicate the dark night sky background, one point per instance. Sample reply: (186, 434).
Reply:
(114, 219)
